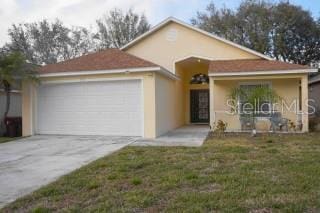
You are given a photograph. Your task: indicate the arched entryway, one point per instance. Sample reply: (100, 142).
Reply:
(193, 72)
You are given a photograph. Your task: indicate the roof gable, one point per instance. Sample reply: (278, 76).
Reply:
(174, 20)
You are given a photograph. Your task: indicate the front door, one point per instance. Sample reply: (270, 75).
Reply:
(199, 105)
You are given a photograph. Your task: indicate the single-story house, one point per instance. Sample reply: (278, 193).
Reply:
(171, 76)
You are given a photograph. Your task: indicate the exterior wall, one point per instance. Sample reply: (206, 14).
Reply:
(29, 99)
(314, 94)
(287, 87)
(15, 107)
(169, 104)
(159, 49)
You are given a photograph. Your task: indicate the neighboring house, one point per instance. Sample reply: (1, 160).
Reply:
(173, 75)
(314, 94)
(15, 106)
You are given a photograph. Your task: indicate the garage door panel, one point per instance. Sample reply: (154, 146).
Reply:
(90, 108)
(60, 90)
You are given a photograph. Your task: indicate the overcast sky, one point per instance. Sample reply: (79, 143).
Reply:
(85, 12)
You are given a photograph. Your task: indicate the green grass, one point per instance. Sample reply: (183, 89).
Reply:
(229, 174)
(5, 139)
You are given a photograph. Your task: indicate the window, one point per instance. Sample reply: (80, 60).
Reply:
(199, 79)
(261, 108)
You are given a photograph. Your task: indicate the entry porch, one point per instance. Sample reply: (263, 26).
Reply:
(205, 86)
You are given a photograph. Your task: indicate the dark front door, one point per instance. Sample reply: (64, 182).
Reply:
(199, 105)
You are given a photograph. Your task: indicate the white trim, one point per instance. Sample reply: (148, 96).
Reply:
(93, 72)
(142, 108)
(314, 80)
(89, 80)
(31, 102)
(274, 72)
(193, 56)
(169, 74)
(35, 110)
(12, 91)
(153, 29)
(114, 71)
(172, 19)
(187, 57)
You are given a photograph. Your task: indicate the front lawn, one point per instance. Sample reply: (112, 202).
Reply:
(233, 173)
(5, 139)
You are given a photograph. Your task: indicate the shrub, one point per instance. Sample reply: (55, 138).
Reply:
(292, 126)
(221, 127)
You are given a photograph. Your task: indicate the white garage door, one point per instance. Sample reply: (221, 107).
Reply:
(90, 108)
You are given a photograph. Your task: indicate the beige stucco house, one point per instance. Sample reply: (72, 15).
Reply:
(151, 86)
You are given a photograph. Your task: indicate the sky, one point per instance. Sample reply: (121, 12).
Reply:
(85, 12)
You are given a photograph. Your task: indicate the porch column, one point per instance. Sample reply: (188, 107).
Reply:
(304, 102)
(211, 103)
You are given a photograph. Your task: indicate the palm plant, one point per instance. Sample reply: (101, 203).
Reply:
(250, 101)
(13, 69)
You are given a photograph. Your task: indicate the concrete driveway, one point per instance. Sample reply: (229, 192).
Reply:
(28, 164)
(190, 136)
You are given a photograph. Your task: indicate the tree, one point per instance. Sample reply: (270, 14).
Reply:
(255, 24)
(295, 34)
(21, 41)
(117, 28)
(283, 31)
(14, 69)
(249, 25)
(221, 22)
(45, 42)
(81, 42)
